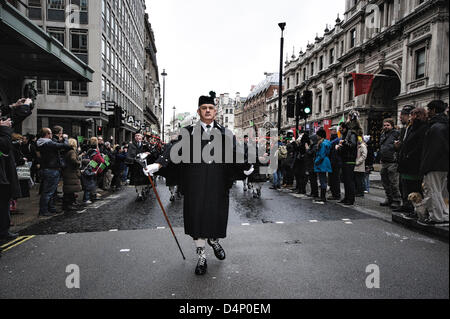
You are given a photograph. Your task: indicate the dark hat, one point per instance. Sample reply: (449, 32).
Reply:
(207, 99)
(407, 109)
(321, 133)
(437, 105)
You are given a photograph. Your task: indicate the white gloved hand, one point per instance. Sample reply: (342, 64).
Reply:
(250, 171)
(151, 169)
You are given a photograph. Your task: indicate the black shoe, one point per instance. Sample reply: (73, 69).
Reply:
(432, 223)
(386, 204)
(273, 187)
(202, 265)
(410, 216)
(395, 205)
(218, 250)
(9, 236)
(343, 201)
(401, 209)
(139, 199)
(172, 198)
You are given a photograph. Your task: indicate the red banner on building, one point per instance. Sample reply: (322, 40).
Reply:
(362, 82)
(326, 127)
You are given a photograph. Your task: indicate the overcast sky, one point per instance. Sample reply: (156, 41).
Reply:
(227, 45)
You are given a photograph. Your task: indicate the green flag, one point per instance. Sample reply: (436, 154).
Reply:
(342, 119)
(80, 139)
(93, 164)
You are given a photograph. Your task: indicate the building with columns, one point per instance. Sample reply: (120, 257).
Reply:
(404, 43)
(255, 109)
(152, 87)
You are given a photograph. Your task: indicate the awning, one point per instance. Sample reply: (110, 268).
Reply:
(27, 51)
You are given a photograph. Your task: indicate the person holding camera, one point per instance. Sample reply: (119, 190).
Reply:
(10, 116)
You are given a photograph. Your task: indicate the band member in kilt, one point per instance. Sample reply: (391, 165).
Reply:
(205, 183)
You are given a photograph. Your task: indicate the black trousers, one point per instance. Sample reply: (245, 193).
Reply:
(334, 179)
(5, 218)
(312, 177)
(348, 173)
(408, 187)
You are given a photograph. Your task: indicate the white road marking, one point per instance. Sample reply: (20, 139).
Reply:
(349, 223)
(124, 250)
(279, 222)
(160, 227)
(114, 230)
(245, 224)
(313, 221)
(62, 233)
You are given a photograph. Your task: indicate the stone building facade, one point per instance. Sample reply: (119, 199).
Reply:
(152, 87)
(255, 110)
(404, 43)
(109, 35)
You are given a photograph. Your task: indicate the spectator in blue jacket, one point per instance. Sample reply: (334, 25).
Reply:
(322, 163)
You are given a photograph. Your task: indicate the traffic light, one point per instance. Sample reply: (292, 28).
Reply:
(99, 130)
(299, 105)
(117, 116)
(290, 108)
(307, 106)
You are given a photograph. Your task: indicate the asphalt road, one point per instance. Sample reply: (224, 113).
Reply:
(279, 246)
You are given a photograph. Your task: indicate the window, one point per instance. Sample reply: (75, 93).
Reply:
(330, 99)
(79, 88)
(56, 10)
(103, 88)
(59, 34)
(352, 38)
(304, 74)
(342, 48)
(35, 9)
(321, 63)
(331, 56)
(350, 90)
(83, 10)
(312, 68)
(319, 103)
(39, 87)
(79, 44)
(420, 63)
(56, 87)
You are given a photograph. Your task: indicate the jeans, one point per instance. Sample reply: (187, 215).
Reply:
(125, 174)
(50, 180)
(312, 177)
(335, 182)
(5, 218)
(277, 177)
(86, 196)
(367, 182)
(323, 180)
(348, 173)
(360, 183)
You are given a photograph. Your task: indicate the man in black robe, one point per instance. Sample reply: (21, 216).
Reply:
(205, 183)
(138, 179)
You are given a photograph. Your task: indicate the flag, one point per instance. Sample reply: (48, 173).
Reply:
(362, 83)
(342, 119)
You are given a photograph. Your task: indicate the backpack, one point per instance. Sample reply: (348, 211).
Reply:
(283, 152)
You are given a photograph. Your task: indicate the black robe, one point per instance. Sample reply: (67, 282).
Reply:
(205, 187)
(137, 176)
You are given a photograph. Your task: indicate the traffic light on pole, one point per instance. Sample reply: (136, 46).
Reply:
(299, 105)
(290, 108)
(117, 117)
(307, 104)
(99, 130)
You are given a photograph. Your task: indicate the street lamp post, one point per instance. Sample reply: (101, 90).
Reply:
(164, 74)
(174, 108)
(280, 94)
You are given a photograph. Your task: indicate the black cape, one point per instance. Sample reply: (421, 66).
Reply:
(205, 187)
